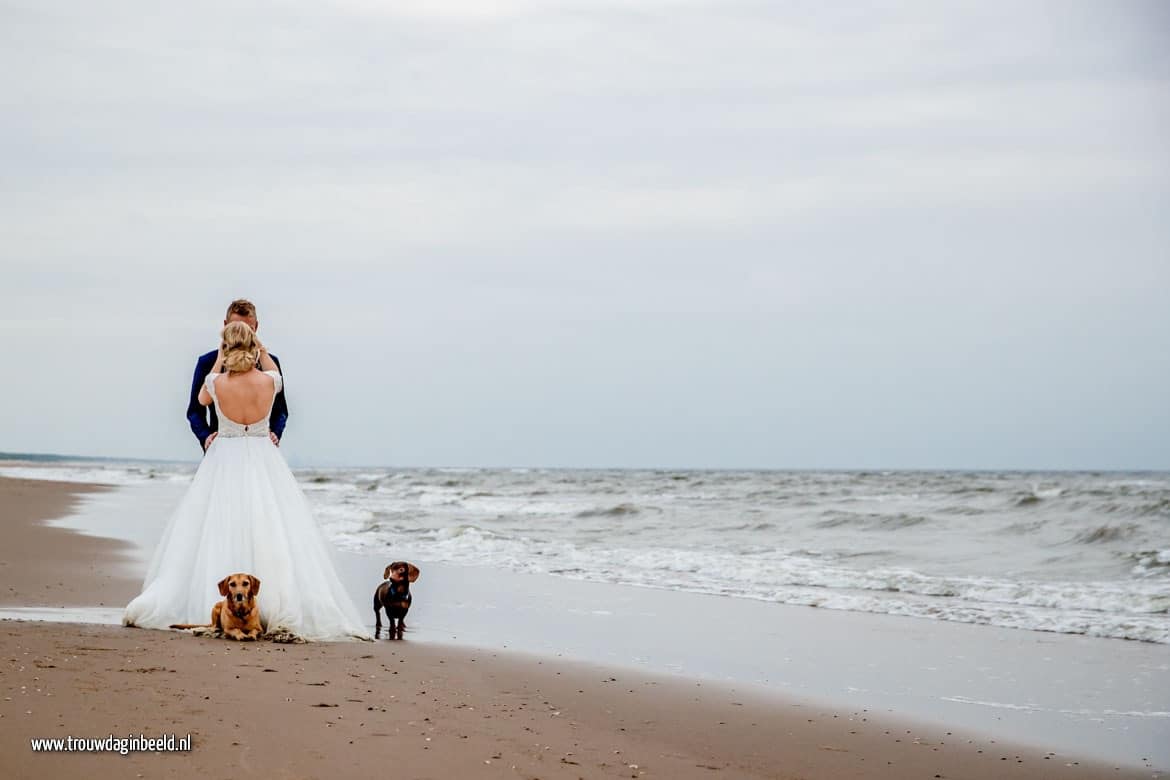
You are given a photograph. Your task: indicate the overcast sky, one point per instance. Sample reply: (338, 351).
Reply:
(594, 233)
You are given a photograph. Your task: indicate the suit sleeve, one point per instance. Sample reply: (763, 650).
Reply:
(197, 412)
(279, 409)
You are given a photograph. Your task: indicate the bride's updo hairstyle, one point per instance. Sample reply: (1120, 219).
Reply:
(240, 351)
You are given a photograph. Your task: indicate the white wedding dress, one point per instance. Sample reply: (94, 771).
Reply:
(244, 512)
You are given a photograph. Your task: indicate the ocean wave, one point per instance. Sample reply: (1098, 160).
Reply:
(1149, 562)
(1023, 527)
(837, 519)
(750, 527)
(1137, 508)
(893, 522)
(972, 489)
(960, 509)
(1157, 508)
(1038, 495)
(467, 531)
(1105, 533)
(614, 511)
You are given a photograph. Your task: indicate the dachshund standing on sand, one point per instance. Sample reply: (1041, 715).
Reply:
(393, 595)
(237, 615)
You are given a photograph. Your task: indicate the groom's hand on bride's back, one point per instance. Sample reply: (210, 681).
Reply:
(275, 439)
(207, 442)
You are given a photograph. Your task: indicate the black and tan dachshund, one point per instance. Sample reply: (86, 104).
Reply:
(393, 595)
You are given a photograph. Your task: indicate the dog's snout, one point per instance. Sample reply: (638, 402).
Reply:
(239, 597)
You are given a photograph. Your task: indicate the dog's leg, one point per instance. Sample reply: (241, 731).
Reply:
(240, 634)
(377, 617)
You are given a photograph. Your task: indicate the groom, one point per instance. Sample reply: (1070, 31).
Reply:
(204, 423)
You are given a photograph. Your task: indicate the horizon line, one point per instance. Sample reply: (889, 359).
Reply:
(65, 457)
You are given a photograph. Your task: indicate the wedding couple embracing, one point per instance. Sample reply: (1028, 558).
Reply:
(244, 511)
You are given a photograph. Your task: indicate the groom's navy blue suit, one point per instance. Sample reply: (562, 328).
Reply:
(202, 418)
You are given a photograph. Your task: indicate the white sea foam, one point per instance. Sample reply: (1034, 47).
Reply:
(100, 474)
(1087, 713)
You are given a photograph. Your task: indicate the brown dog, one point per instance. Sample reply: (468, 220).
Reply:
(393, 596)
(237, 615)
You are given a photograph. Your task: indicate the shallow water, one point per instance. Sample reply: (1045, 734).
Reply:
(105, 616)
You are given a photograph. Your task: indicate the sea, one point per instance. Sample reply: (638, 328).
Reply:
(1070, 552)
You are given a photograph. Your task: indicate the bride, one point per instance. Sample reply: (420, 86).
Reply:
(244, 512)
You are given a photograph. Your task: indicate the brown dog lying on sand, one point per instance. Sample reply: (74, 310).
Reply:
(237, 615)
(393, 595)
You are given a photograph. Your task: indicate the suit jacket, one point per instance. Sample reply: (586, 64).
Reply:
(203, 419)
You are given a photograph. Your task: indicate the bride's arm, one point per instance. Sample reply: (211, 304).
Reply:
(204, 396)
(266, 361)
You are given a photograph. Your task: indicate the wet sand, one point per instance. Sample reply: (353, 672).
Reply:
(42, 565)
(411, 709)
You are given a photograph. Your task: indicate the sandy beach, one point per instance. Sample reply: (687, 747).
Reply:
(48, 566)
(416, 708)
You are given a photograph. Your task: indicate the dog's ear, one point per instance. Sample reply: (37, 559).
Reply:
(255, 591)
(223, 585)
(413, 571)
(386, 574)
